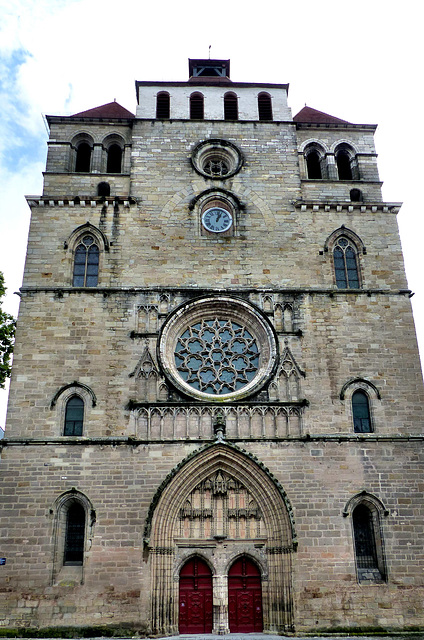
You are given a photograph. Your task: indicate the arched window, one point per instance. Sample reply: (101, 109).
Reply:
(103, 189)
(313, 163)
(361, 413)
(230, 106)
(343, 165)
(346, 264)
(369, 563)
(162, 105)
(74, 417)
(264, 106)
(74, 534)
(114, 159)
(196, 106)
(86, 263)
(83, 159)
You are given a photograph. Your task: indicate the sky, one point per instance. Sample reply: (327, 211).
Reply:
(361, 62)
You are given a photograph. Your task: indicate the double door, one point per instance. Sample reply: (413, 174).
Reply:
(244, 597)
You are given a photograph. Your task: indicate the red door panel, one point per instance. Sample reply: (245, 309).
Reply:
(244, 597)
(195, 597)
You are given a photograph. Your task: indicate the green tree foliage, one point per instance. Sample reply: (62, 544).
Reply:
(7, 336)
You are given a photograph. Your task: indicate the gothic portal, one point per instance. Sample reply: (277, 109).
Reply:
(215, 420)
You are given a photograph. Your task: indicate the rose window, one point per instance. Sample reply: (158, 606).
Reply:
(216, 167)
(217, 349)
(217, 356)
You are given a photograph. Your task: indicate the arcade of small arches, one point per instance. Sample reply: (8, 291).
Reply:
(340, 163)
(197, 106)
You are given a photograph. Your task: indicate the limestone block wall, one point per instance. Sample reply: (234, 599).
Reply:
(120, 480)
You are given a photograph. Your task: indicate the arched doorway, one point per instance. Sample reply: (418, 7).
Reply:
(195, 601)
(244, 597)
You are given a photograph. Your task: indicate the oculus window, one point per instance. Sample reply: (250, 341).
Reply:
(218, 349)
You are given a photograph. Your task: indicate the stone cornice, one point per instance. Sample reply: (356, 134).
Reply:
(82, 201)
(133, 441)
(349, 207)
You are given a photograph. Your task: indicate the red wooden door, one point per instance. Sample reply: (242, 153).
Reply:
(244, 597)
(195, 597)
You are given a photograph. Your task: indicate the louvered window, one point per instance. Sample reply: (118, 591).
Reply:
(196, 106)
(230, 106)
(264, 106)
(162, 105)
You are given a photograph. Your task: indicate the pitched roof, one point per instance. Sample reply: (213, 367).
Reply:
(309, 115)
(109, 110)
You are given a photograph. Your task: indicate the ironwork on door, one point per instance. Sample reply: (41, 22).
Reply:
(195, 602)
(244, 597)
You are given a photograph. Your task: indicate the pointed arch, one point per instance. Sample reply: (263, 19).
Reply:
(163, 527)
(367, 511)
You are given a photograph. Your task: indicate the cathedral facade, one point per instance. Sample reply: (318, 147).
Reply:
(215, 419)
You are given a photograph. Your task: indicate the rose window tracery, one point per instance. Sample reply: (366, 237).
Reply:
(217, 356)
(217, 349)
(216, 167)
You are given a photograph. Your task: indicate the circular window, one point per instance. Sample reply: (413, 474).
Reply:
(217, 159)
(218, 349)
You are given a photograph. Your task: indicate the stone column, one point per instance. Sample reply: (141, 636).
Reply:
(220, 605)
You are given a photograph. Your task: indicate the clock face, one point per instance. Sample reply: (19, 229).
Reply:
(217, 220)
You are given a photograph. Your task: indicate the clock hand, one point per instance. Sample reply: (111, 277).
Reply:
(218, 216)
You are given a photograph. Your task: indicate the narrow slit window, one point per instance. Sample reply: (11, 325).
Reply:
(74, 536)
(83, 159)
(196, 107)
(74, 417)
(361, 413)
(230, 106)
(86, 263)
(264, 106)
(345, 265)
(163, 105)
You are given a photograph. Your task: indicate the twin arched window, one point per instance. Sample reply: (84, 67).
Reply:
(110, 160)
(86, 262)
(317, 166)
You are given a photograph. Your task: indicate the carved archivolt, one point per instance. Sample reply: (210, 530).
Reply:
(220, 500)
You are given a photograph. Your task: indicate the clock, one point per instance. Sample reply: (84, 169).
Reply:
(217, 220)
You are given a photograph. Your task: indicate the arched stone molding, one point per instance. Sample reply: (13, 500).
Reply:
(372, 512)
(314, 141)
(343, 142)
(272, 550)
(374, 402)
(65, 393)
(59, 512)
(344, 231)
(368, 498)
(87, 227)
(359, 383)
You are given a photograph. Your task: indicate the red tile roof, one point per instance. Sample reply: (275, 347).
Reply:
(109, 110)
(309, 115)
